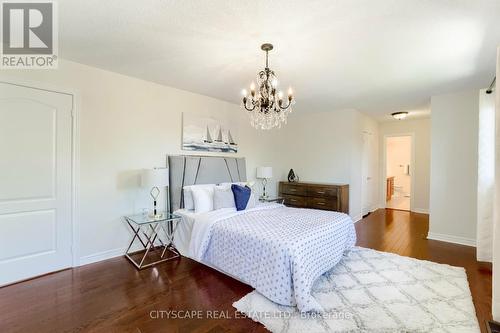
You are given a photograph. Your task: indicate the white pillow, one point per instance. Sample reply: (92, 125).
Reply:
(203, 199)
(252, 201)
(188, 196)
(249, 184)
(223, 197)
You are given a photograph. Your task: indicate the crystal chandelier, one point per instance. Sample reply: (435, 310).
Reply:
(265, 105)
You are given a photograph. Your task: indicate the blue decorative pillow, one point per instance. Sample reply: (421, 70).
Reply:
(241, 196)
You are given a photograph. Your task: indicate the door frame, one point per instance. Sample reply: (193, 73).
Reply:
(384, 168)
(75, 152)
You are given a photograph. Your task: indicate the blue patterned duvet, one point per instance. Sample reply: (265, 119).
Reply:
(280, 251)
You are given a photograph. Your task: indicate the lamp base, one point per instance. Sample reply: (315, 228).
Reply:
(157, 216)
(155, 192)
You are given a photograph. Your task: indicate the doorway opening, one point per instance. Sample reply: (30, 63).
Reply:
(398, 171)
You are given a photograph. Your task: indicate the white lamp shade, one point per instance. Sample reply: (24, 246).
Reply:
(157, 177)
(264, 172)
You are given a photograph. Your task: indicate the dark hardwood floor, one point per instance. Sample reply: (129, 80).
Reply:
(112, 296)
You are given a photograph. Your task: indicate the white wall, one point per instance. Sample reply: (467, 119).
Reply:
(485, 176)
(496, 216)
(325, 147)
(421, 128)
(453, 196)
(127, 124)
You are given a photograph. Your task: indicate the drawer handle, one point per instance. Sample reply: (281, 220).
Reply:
(320, 203)
(293, 200)
(320, 192)
(293, 190)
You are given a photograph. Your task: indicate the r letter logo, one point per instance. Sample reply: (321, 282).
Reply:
(29, 36)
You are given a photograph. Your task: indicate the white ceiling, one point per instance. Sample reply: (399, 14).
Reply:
(377, 56)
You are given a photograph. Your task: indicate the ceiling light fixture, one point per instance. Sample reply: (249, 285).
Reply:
(399, 115)
(264, 103)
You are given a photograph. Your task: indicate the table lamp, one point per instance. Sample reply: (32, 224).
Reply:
(264, 173)
(154, 179)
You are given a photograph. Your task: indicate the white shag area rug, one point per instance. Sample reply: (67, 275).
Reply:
(372, 291)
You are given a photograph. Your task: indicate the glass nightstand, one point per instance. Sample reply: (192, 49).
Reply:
(273, 199)
(155, 235)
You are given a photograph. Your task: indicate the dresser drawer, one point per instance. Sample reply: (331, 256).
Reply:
(295, 201)
(293, 189)
(316, 195)
(321, 191)
(322, 203)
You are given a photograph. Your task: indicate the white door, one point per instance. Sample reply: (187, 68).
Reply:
(366, 174)
(35, 182)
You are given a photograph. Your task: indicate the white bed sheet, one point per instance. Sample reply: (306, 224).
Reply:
(182, 238)
(182, 235)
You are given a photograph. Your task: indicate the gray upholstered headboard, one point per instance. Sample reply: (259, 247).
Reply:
(187, 170)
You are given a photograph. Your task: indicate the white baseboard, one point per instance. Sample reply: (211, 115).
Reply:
(451, 239)
(102, 256)
(420, 210)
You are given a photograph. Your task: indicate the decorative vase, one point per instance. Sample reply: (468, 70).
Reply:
(291, 176)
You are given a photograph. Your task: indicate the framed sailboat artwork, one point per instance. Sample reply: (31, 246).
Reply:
(204, 133)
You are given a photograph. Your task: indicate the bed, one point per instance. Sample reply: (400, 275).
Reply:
(280, 251)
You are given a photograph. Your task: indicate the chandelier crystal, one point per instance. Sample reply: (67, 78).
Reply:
(265, 105)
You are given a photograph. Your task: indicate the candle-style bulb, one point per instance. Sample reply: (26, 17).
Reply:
(290, 91)
(252, 86)
(244, 92)
(280, 95)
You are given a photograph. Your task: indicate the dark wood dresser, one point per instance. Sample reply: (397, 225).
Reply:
(315, 195)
